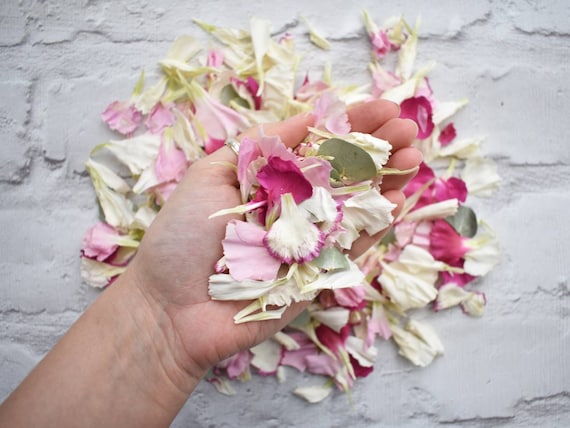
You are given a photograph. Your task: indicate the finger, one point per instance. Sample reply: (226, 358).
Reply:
(365, 241)
(399, 133)
(406, 158)
(368, 117)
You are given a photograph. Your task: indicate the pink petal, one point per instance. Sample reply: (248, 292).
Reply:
(237, 365)
(451, 188)
(171, 163)
(159, 118)
(122, 117)
(215, 58)
(352, 297)
(380, 43)
(330, 114)
(419, 109)
(100, 242)
(445, 243)
(447, 134)
(322, 364)
(246, 255)
(459, 279)
(298, 357)
(282, 176)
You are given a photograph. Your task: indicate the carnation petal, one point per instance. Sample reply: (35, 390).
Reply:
(293, 237)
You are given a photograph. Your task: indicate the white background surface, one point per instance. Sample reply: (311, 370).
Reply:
(62, 62)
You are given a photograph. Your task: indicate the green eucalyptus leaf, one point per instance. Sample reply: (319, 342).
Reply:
(331, 259)
(389, 238)
(464, 221)
(351, 163)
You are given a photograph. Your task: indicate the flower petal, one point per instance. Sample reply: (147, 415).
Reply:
(293, 237)
(245, 253)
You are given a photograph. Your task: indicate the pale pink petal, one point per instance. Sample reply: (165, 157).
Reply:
(237, 365)
(245, 253)
(159, 118)
(330, 114)
(100, 241)
(171, 163)
(122, 117)
(215, 58)
(352, 297)
(322, 364)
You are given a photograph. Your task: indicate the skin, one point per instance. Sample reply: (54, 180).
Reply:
(135, 356)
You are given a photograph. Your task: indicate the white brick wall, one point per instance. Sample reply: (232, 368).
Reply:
(62, 62)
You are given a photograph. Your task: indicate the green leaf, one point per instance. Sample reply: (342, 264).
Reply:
(331, 259)
(351, 163)
(464, 221)
(389, 238)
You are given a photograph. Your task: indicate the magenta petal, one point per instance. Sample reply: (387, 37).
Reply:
(246, 256)
(331, 339)
(282, 176)
(420, 111)
(360, 371)
(447, 134)
(451, 188)
(445, 243)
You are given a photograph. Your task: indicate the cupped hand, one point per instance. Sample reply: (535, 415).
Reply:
(179, 251)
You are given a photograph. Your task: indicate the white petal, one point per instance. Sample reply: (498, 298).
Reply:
(97, 274)
(148, 99)
(418, 343)
(321, 205)
(266, 356)
(484, 254)
(356, 347)
(293, 237)
(408, 88)
(410, 283)
(260, 38)
(407, 54)
(109, 178)
(223, 287)
(287, 341)
(314, 394)
(335, 317)
(137, 153)
(480, 176)
(474, 305)
(118, 210)
(336, 279)
(144, 218)
(368, 211)
(444, 110)
(434, 211)
(462, 149)
(450, 295)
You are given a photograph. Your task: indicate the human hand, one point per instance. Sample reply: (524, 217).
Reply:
(179, 251)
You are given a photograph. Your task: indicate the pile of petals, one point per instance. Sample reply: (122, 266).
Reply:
(303, 208)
